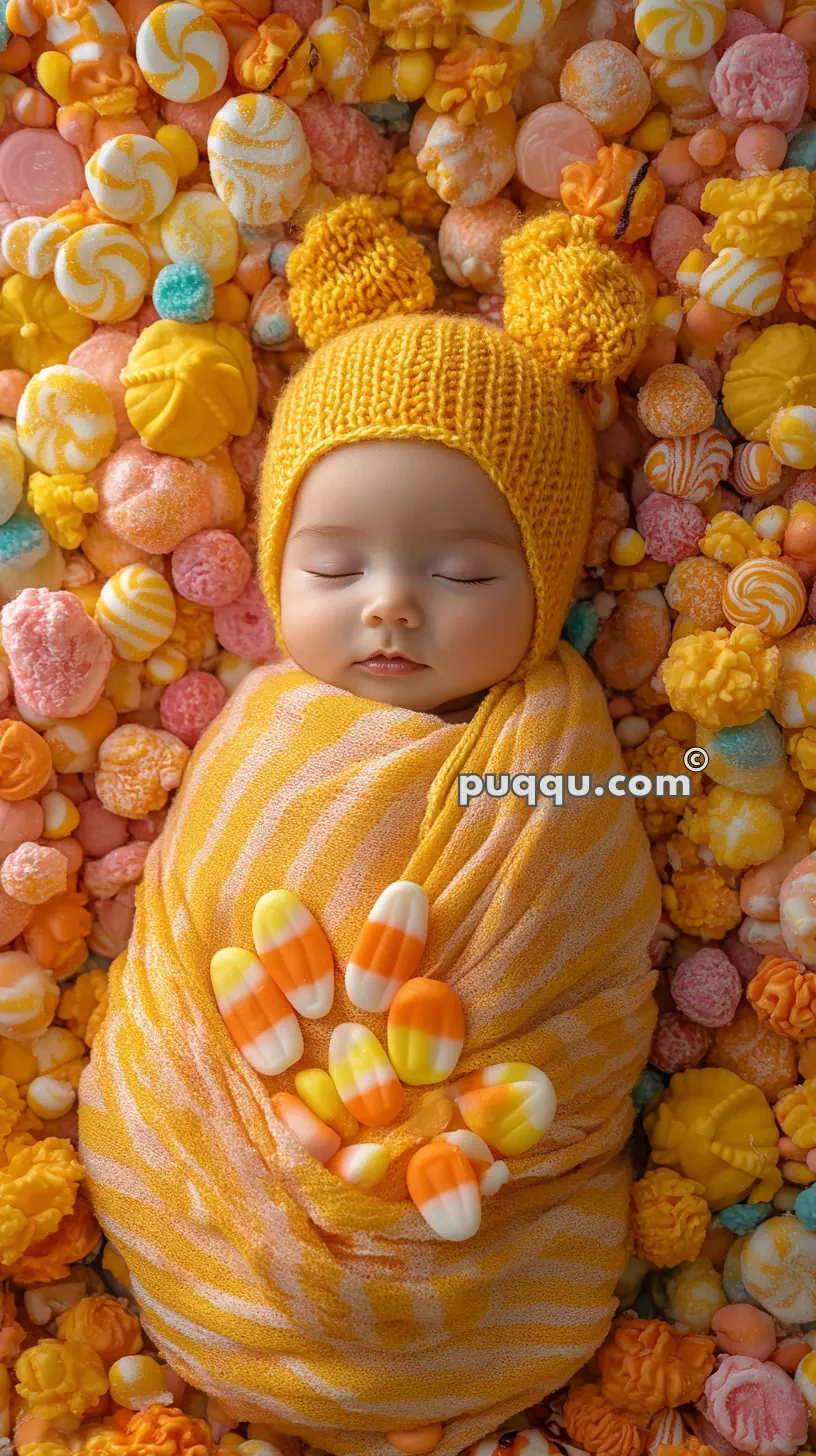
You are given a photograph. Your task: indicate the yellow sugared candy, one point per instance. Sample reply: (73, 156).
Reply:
(740, 829)
(50, 1097)
(137, 610)
(742, 285)
(362, 1164)
(792, 436)
(321, 1141)
(30, 245)
(316, 1088)
(363, 1075)
(197, 227)
(778, 1269)
(137, 1381)
(259, 159)
(511, 1105)
(426, 1031)
(679, 30)
(514, 22)
(345, 43)
(389, 947)
(65, 421)
(445, 1190)
(103, 272)
(295, 952)
(131, 178)
(719, 1130)
(766, 594)
(776, 370)
(28, 997)
(255, 1012)
(805, 1378)
(181, 52)
(190, 386)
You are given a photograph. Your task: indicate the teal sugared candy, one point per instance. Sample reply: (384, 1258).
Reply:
(805, 1207)
(184, 292)
(581, 627)
(23, 541)
(743, 1218)
(802, 149)
(650, 1084)
(750, 758)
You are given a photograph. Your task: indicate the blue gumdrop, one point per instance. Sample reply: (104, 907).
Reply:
(805, 1207)
(23, 540)
(743, 1218)
(184, 292)
(750, 745)
(581, 627)
(5, 31)
(802, 149)
(649, 1086)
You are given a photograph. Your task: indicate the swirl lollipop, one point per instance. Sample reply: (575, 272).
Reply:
(103, 272)
(65, 421)
(513, 21)
(30, 245)
(131, 178)
(182, 53)
(259, 159)
(679, 30)
(764, 594)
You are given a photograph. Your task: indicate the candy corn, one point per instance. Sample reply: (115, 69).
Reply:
(426, 1031)
(318, 1091)
(363, 1075)
(510, 1105)
(445, 1190)
(491, 1174)
(256, 1014)
(312, 1134)
(363, 1164)
(389, 946)
(295, 952)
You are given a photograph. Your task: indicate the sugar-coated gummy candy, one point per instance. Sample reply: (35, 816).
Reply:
(757, 1406)
(671, 528)
(706, 988)
(211, 568)
(762, 78)
(244, 626)
(58, 657)
(184, 291)
(189, 705)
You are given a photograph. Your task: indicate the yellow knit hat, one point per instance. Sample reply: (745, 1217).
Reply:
(574, 311)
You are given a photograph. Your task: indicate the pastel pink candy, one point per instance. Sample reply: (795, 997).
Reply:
(247, 453)
(547, 140)
(762, 78)
(39, 171)
(151, 501)
(115, 871)
(99, 831)
(18, 823)
(104, 356)
(113, 920)
(738, 24)
(189, 705)
(245, 626)
(676, 232)
(59, 658)
(211, 568)
(195, 116)
(707, 988)
(756, 1406)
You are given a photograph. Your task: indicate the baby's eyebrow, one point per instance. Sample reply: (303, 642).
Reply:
(494, 538)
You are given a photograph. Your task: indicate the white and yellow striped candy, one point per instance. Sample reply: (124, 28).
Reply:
(181, 52)
(259, 159)
(198, 228)
(103, 272)
(389, 947)
(65, 421)
(30, 245)
(679, 30)
(689, 467)
(515, 22)
(510, 1105)
(295, 952)
(131, 178)
(742, 285)
(363, 1075)
(85, 32)
(137, 611)
(792, 436)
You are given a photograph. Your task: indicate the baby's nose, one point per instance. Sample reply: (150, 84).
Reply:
(394, 605)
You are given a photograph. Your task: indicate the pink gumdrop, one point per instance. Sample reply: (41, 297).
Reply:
(675, 165)
(151, 501)
(104, 356)
(115, 871)
(72, 787)
(247, 455)
(743, 1330)
(14, 917)
(71, 851)
(803, 488)
(12, 384)
(738, 24)
(675, 233)
(189, 705)
(707, 988)
(195, 116)
(211, 568)
(39, 171)
(761, 148)
(671, 528)
(547, 140)
(305, 12)
(99, 831)
(19, 822)
(346, 150)
(59, 658)
(245, 626)
(741, 956)
(678, 1043)
(756, 1406)
(762, 78)
(113, 920)
(149, 828)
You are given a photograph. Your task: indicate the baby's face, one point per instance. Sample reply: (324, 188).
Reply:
(405, 547)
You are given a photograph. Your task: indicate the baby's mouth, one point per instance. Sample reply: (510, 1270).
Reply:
(383, 666)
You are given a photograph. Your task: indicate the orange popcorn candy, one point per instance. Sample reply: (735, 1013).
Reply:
(75, 1237)
(593, 1423)
(103, 1323)
(137, 769)
(55, 934)
(166, 1430)
(783, 993)
(699, 902)
(756, 1052)
(647, 1366)
(25, 762)
(668, 1219)
(619, 189)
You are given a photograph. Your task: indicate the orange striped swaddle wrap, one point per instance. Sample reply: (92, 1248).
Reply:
(329, 1311)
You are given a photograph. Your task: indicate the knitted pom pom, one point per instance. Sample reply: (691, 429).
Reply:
(572, 299)
(355, 264)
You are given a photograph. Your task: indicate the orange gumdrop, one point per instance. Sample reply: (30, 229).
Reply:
(707, 322)
(743, 1330)
(800, 533)
(418, 1442)
(790, 1352)
(25, 761)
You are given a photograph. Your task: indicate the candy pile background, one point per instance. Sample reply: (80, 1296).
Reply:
(157, 166)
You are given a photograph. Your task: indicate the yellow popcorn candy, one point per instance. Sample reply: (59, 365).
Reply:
(695, 1293)
(62, 501)
(721, 678)
(37, 1189)
(700, 903)
(58, 1378)
(79, 1001)
(740, 829)
(669, 1218)
(765, 215)
(801, 748)
(732, 540)
(796, 1114)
